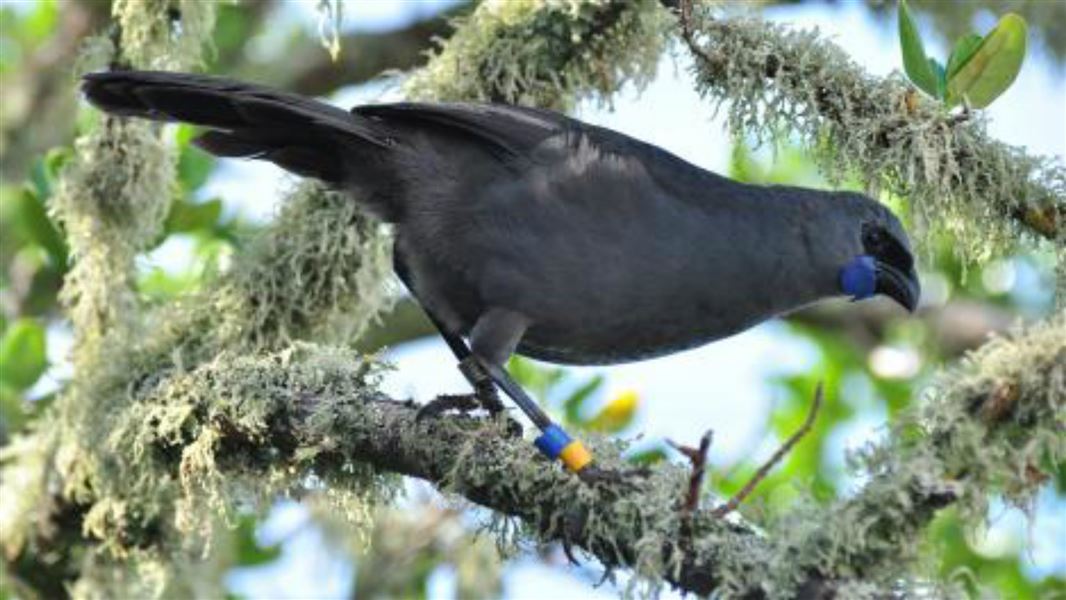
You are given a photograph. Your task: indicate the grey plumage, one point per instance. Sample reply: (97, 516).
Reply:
(530, 231)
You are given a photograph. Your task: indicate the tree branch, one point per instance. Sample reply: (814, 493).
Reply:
(316, 408)
(953, 173)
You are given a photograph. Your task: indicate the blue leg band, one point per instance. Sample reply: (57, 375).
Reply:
(552, 440)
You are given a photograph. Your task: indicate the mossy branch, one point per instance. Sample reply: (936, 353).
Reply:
(780, 82)
(992, 425)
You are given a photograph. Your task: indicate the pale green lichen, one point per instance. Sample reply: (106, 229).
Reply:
(111, 203)
(182, 452)
(775, 81)
(26, 466)
(318, 272)
(320, 260)
(1019, 381)
(168, 35)
(114, 196)
(546, 54)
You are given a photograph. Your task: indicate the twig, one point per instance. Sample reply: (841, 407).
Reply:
(698, 458)
(685, 18)
(746, 491)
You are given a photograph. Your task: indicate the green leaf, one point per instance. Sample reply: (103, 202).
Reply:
(41, 22)
(249, 552)
(55, 159)
(45, 171)
(158, 286)
(537, 380)
(941, 80)
(993, 66)
(194, 166)
(188, 216)
(22, 354)
(915, 63)
(33, 218)
(572, 406)
(13, 414)
(963, 51)
(647, 457)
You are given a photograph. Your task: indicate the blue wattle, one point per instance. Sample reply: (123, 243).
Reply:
(858, 278)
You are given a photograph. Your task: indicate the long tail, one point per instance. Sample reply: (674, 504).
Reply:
(301, 135)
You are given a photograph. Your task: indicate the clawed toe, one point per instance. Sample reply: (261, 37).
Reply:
(463, 403)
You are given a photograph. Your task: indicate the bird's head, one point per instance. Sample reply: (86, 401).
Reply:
(875, 256)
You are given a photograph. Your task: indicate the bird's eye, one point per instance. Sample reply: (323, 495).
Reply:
(883, 245)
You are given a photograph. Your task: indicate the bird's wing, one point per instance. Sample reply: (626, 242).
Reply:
(508, 132)
(519, 135)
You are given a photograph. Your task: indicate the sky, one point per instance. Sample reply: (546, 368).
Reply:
(720, 386)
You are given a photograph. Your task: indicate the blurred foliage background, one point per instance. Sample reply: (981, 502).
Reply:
(872, 359)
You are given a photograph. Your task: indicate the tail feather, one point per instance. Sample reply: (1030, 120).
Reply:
(301, 135)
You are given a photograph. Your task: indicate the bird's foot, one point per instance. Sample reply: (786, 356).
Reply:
(484, 387)
(698, 458)
(463, 403)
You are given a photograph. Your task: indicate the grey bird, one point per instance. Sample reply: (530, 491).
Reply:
(527, 231)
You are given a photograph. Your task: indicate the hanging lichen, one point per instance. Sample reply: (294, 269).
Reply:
(319, 270)
(168, 35)
(548, 54)
(111, 203)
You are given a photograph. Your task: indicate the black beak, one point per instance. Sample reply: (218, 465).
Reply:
(901, 286)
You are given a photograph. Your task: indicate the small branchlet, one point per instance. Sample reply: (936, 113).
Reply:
(698, 458)
(781, 452)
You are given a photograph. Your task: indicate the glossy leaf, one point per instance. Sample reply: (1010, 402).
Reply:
(993, 66)
(647, 457)
(192, 216)
(194, 165)
(572, 406)
(22, 354)
(915, 62)
(13, 414)
(250, 552)
(37, 225)
(939, 75)
(963, 51)
(537, 380)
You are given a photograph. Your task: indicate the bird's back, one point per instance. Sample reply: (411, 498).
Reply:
(615, 250)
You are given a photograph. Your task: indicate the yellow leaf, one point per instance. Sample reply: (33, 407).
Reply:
(617, 414)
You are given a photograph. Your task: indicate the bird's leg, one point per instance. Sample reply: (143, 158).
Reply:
(698, 458)
(484, 388)
(484, 391)
(493, 339)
